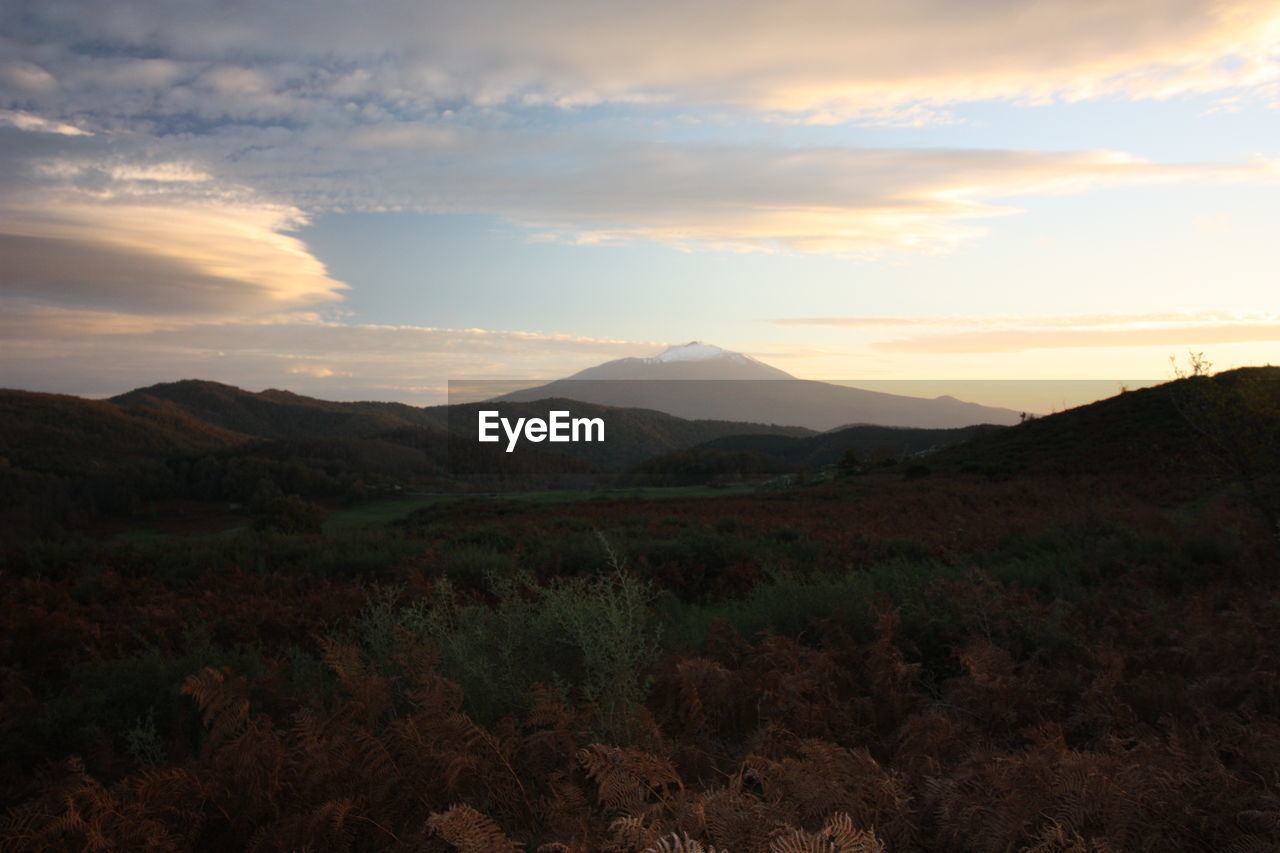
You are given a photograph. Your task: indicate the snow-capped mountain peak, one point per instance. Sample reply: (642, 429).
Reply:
(694, 360)
(692, 351)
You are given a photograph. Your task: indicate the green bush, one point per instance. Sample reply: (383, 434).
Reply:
(783, 603)
(594, 634)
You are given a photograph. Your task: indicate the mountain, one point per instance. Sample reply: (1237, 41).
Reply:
(731, 386)
(694, 360)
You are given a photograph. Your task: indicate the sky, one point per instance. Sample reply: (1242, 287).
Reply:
(365, 201)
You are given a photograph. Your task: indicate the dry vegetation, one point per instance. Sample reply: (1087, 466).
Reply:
(1040, 661)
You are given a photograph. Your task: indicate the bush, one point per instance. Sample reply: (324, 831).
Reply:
(784, 604)
(593, 634)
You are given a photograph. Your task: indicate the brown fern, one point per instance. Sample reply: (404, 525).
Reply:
(838, 835)
(469, 831)
(223, 698)
(626, 778)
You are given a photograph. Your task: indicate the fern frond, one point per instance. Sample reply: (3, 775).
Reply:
(223, 698)
(626, 777)
(681, 843)
(847, 838)
(632, 833)
(471, 832)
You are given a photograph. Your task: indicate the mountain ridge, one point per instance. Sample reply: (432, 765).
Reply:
(700, 381)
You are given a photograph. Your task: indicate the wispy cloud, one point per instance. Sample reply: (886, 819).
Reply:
(1074, 321)
(460, 108)
(1021, 334)
(38, 124)
(767, 198)
(335, 360)
(1021, 340)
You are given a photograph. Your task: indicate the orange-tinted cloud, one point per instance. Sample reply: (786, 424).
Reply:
(1070, 321)
(102, 353)
(1021, 340)
(160, 255)
(843, 201)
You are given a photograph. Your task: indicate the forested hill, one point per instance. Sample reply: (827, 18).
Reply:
(867, 443)
(64, 459)
(1149, 429)
(274, 413)
(58, 432)
(633, 434)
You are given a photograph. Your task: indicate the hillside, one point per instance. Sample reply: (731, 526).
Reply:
(69, 459)
(64, 434)
(269, 414)
(632, 435)
(942, 662)
(869, 443)
(1131, 430)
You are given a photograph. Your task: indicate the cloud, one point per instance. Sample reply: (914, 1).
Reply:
(25, 78)
(159, 154)
(1084, 331)
(36, 124)
(846, 201)
(169, 257)
(809, 56)
(562, 186)
(1069, 321)
(334, 360)
(1021, 340)
(475, 108)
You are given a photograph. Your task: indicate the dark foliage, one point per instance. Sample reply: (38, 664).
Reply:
(1048, 659)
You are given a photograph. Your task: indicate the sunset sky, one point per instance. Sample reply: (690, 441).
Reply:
(363, 201)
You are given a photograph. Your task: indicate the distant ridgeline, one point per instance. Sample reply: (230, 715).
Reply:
(66, 460)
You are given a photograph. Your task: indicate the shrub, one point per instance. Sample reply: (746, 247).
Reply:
(593, 634)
